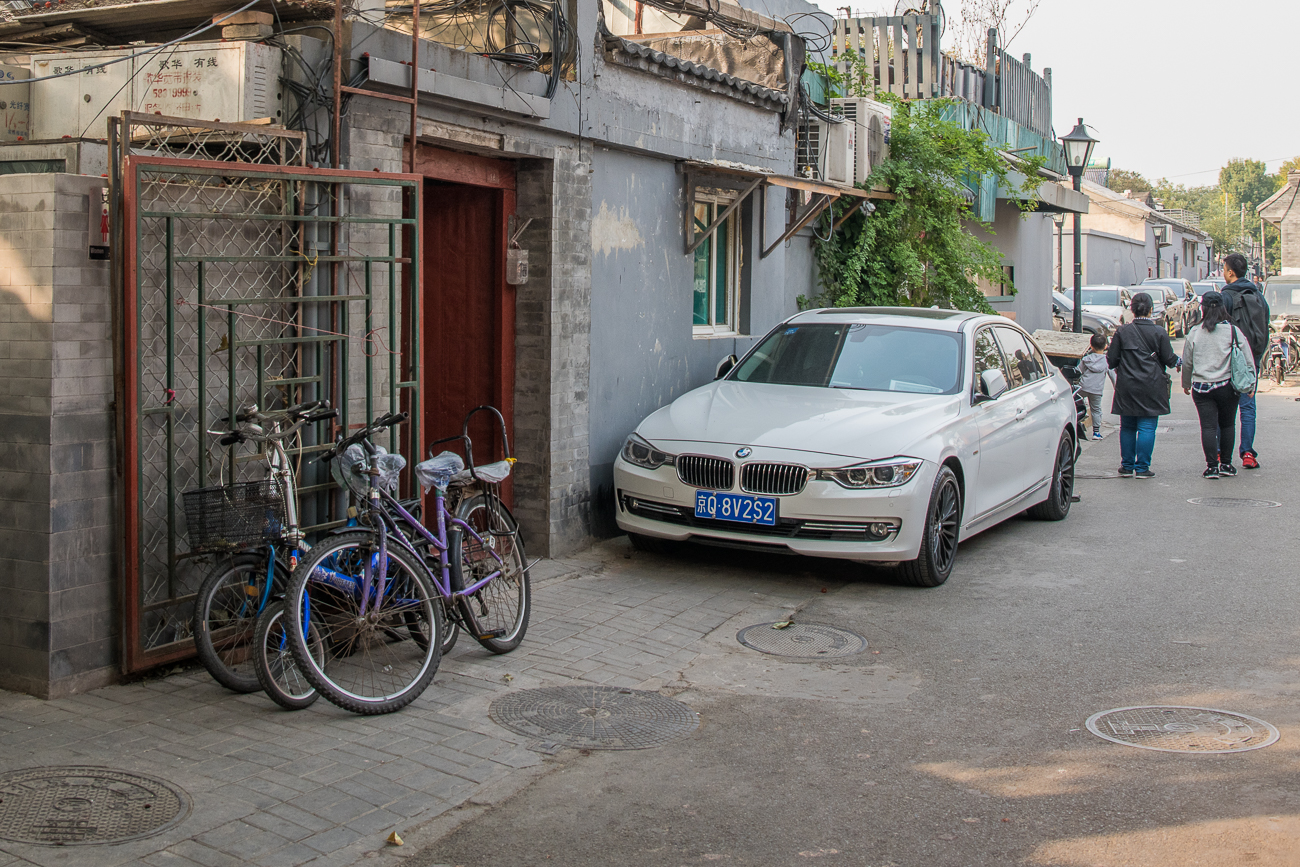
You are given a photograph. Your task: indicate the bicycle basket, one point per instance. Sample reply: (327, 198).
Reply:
(242, 515)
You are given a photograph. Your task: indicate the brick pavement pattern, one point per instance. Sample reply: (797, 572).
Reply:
(324, 787)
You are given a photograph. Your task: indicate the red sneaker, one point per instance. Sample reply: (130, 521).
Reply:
(1249, 461)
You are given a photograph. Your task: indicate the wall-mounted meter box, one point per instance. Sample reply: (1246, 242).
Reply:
(227, 81)
(15, 103)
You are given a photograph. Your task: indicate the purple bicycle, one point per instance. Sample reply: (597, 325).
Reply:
(386, 598)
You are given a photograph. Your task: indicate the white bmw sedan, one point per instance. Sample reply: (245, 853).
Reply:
(873, 434)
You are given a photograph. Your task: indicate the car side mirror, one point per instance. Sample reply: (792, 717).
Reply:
(993, 384)
(724, 366)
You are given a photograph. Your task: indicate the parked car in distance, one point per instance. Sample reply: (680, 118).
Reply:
(1093, 323)
(1109, 301)
(1175, 291)
(873, 434)
(1200, 287)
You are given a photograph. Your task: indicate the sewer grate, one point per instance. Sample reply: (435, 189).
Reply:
(65, 806)
(1175, 729)
(1233, 503)
(594, 717)
(802, 640)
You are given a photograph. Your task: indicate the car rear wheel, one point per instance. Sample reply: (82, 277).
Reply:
(1059, 497)
(938, 551)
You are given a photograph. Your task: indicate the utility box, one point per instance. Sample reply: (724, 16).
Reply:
(226, 81)
(15, 103)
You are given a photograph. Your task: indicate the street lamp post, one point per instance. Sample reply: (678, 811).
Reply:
(1078, 150)
(1059, 220)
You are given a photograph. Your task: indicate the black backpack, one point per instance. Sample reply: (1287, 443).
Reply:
(1249, 311)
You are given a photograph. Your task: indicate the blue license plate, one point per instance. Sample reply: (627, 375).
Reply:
(735, 507)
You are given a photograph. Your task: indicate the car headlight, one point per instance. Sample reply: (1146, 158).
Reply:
(640, 453)
(876, 474)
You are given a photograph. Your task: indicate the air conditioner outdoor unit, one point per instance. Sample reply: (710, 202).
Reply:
(827, 151)
(871, 121)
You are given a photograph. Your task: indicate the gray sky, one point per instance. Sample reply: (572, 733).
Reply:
(1154, 79)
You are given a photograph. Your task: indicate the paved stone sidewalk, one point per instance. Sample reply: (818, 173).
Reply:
(325, 787)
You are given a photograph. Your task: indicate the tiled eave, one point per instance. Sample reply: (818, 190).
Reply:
(637, 56)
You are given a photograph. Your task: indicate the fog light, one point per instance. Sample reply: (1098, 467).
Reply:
(879, 530)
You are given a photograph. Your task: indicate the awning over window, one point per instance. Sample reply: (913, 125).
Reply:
(747, 180)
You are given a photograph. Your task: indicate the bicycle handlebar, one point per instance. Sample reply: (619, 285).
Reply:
(301, 414)
(384, 421)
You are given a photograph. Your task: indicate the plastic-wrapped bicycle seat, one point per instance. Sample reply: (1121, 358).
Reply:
(344, 469)
(492, 473)
(438, 471)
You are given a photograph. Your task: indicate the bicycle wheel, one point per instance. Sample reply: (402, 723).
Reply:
(225, 618)
(375, 660)
(277, 670)
(497, 614)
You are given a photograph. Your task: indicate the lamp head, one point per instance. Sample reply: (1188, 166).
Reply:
(1078, 148)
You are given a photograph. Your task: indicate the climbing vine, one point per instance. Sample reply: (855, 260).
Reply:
(916, 250)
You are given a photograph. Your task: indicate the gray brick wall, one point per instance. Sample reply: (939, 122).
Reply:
(57, 514)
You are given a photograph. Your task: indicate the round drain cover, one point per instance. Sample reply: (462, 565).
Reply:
(1173, 729)
(78, 806)
(594, 717)
(1233, 502)
(802, 640)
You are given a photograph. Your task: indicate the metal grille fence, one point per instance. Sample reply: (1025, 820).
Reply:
(250, 282)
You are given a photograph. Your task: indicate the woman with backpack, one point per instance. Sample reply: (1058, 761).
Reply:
(1139, 353)
(1207, 377)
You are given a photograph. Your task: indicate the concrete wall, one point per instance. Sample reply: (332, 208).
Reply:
(643, 353)
(58, 624)
(1110, 259)
(1028, 243)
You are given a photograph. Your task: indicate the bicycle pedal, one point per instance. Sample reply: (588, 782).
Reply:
(497, 633)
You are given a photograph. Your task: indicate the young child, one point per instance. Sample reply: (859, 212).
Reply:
(1095, 369)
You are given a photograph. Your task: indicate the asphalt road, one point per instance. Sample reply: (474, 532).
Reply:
(958, 737)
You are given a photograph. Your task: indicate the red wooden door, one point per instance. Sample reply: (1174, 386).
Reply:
(467, 312)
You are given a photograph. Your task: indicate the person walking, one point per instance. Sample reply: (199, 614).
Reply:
(1207, 377)
(1095, 369)
(1247, 310)
(1140, 354)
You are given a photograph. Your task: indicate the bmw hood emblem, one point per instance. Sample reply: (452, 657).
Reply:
(744, 452)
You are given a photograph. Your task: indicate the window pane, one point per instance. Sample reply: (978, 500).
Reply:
(889, 358)
(987, 357)
(721, 285)
(702, 215)
(1021, 366)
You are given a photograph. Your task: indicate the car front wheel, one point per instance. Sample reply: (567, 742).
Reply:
(934, 561)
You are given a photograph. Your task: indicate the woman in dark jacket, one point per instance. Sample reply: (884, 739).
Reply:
(1139, 354)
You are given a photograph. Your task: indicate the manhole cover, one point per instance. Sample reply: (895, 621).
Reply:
(594, 717)
(1233, 502)
(1172, 729)
(78, 806)
(802, 640)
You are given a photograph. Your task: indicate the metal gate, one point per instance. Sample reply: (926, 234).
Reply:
(246, 282)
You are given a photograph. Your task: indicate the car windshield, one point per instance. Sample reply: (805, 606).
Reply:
(1282, 297)
(1101, 297)
(1202, 288)
(858, 356)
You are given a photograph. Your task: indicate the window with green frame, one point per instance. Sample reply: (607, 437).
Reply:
(717, 266)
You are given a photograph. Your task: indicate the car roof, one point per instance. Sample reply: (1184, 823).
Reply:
(916, 317)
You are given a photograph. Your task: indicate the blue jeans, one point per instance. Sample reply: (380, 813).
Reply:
(1137, 439)
(1247, 404)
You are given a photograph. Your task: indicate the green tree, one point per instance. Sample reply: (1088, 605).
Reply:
(914, 250)
(1245, 182)
(1120, 180)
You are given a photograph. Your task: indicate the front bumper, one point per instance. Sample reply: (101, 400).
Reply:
(822, 520)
